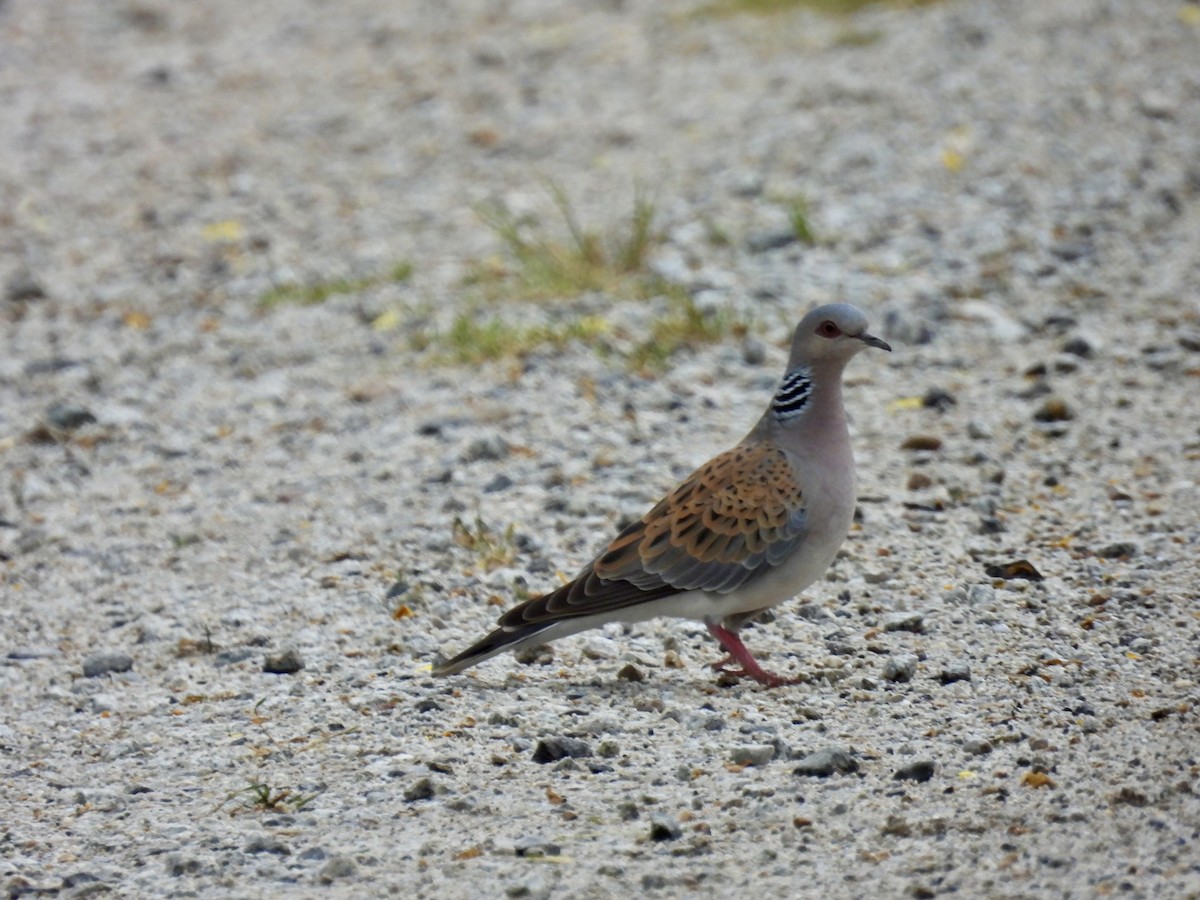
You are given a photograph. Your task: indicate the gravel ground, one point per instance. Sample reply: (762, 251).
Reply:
(228, 549)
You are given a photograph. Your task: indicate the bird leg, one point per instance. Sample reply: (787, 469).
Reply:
(738, 653)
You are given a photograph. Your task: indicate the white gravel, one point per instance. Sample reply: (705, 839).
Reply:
(193, 487)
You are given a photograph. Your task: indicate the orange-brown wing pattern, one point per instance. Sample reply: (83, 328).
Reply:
(728, 522)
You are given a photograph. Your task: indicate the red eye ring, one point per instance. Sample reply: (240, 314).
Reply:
(828, 329)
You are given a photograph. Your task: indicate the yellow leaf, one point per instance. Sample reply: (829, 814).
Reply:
(905, 403)
(952, 159)
(228, 230)
(387, 321)
(967, 774)
(136, 320)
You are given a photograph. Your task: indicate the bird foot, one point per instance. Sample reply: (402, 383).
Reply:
(758, 673)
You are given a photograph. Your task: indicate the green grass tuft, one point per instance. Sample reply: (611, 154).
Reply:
(312, 293)
(585, 260)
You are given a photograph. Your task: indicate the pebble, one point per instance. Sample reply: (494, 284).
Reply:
(978, 747)
(532, 886)
(772, 239)
(664, 828)
(981, 595)
(22, 285)
(922, 770)
(535, 846)
(68, 416)
(752, 755)
(337, 867)
(1053, 409)
(266, 844)
(826, 762)
(106, 663)
(489, 449)
(1118, 550)
(630, 672)
(288, 662)
(421, 789)
(904, 621)
(499, 483)
(900, 668)
(958, 670)
(552, 749)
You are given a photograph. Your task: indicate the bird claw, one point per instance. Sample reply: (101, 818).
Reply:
(762, 676)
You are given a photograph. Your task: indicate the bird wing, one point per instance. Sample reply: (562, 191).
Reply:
(734, 518)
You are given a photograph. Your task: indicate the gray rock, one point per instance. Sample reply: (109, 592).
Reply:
(532, 885)
(490, 448)
(23, 286)
(981, 594)
(922, 770)
(266, 844)
(421, 789)
(826, 762)
(552, 749)
(957, 670)
(337, 867)
(68, 416)
(664, 828)
(752, 755)
(609, 749)
(978, 747)
(900, 668)
(289, 662)
(772, 239)
(534, 846)
(499, 483)
(904, 621)
(106, 663)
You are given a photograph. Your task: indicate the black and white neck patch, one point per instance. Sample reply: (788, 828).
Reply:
(793, 394)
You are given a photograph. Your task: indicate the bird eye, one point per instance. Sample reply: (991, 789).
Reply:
(828, 329)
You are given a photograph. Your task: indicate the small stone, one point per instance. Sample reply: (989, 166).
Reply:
(530, 887)
(826, 762)
(936, 398)
(955, 671)
(772, 239)
(754, 352)
(900, 668)
(922, 770)
(922, 442)
(609, 749)
(981, 594)
(628, 811)
(1078, 346)
(977, 431)
(630, 672)
(68, 416)
(1119, 550)
(499, 483)
(22, 285)
(752, 755)
(106, 663)
(535, 846)
(664, 828)
(337, 867)
(904, 621)
(978, 747)
(266, 844)
(493, 447)
(286, 663)
(897, 826)
(421, 789)
(918, 481)
(552, 749)
(1053, 409)
(541, 655)
(1190, 341)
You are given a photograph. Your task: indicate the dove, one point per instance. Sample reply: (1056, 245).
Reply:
(748, 530)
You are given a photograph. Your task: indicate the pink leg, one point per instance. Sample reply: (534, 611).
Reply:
(738, 652)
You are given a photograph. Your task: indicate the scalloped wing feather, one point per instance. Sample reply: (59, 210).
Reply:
(731, 520)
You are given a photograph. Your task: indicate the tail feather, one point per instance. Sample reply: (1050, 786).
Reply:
(497, 642)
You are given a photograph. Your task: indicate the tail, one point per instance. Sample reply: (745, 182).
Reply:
(497, 642)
